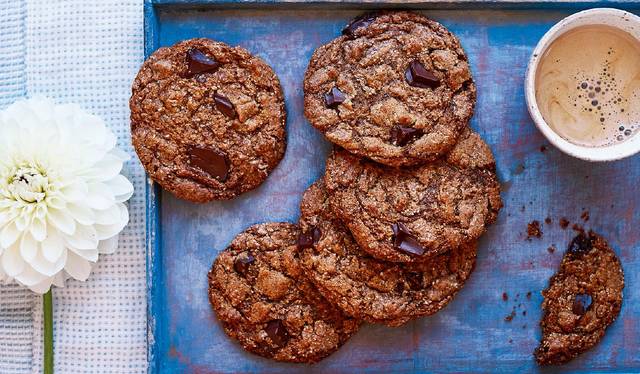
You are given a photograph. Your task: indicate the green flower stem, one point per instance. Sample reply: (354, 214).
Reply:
(48, 333)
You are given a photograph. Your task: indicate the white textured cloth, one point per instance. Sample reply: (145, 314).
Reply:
(85, 52)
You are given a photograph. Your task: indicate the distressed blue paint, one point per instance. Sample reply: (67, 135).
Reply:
(470, 335)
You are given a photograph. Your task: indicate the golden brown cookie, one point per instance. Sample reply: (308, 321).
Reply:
(410, 214)
(261, 296)
(207, 119)
(366, 288)
(395, 87)
(584, 297)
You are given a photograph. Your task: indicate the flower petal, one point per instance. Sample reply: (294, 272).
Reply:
(121, 188)
(99, 197)
(42, 287)
(122, 155)
(29, 277)
(89, 255)
(53, 247)
(58, 279)
(28, 247)
(105, 169)
(76, 191)
(62, 220)
(108, 246)
(9, 235)
(85, 237)
(12, 262)
(38, 229)
(107, 231)
(77, 267)
(108, 216)
(82, 213)
(42, 266)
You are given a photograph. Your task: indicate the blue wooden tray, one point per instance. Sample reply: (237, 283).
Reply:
(471, 334)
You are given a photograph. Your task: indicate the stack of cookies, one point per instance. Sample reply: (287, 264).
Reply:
(389, 233)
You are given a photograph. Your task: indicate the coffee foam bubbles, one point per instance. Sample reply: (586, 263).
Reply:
(588, 86)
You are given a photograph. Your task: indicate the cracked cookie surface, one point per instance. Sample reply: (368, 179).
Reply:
(259, 293)
(410, 214)
(373, 290)
(584, 297)
(396, 88)
(207, 119)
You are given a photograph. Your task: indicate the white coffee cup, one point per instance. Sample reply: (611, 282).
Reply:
(622, 20)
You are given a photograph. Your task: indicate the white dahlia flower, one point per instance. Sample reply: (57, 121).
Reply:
(61, 193)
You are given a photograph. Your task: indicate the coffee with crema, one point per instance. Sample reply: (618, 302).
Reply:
(588, 86)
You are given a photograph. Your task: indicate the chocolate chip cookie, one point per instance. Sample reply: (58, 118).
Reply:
(260, 295)
(395, 87)
(412, 213)
(366, 288)
(207, 119)
(584, 297)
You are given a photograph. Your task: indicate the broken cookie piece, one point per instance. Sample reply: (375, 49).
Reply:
(584, 297)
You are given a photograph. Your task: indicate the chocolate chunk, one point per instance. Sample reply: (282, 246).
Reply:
(417, 76)
(224, 105)
(198, 62)
(581, 304)
(580, 244)
(404, 241)
(334, 98)
(213, 162)
(402, 136)
(317, 234)
(241, 264)
(305, 241)
(309, 238)
(362, 21)
(277, 332)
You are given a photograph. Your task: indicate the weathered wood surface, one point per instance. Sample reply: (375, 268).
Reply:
(471, 334)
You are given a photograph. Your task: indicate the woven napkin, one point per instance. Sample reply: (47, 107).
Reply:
(85, 52)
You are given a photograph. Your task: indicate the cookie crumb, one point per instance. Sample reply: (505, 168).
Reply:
(564, 223)
(551, 249)
(533, 230)
(548, 220)
(510, 317)
(577, 228)
(505, 297)
(529, 295)
(585, 215)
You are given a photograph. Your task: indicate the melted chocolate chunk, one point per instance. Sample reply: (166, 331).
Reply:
(580, 244)
(224, 105)
(214, 163)
(402, 136)
(309, 238)
(404, 241)
(581, 304)
(334, 98)
(277, 332)
(418, 76)
(241, 264)
(362, 21)
(198, 62)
